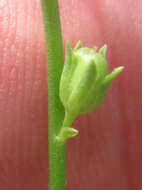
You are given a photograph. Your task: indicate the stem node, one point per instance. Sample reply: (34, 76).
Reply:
(65, 134)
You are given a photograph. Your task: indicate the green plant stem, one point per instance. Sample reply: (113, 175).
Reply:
(54, 52)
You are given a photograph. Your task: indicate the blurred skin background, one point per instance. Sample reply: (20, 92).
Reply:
(107, 153)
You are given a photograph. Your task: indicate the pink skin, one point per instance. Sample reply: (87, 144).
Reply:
(107, 154)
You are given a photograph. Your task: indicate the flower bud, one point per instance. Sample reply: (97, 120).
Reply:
(85, 79)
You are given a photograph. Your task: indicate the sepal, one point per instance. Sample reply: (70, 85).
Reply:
(110, 77)
(103, 50)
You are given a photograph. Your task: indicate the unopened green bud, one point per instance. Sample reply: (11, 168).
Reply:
(85, 79)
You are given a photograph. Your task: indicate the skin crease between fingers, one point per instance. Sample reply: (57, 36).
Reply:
(107, 153)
